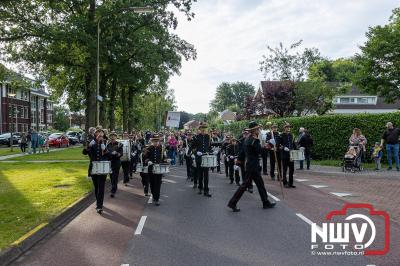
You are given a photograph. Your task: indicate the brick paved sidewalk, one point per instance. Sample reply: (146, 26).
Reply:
(381, 189)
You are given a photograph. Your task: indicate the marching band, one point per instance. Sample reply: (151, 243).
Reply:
(244, 159)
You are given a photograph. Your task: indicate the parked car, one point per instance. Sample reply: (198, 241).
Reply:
(74, 137)
(5, 138)
(58, 140)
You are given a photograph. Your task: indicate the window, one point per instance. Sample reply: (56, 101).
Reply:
(356, 100)
(26, 112)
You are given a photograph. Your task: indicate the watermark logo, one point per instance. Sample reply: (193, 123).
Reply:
(352, 231)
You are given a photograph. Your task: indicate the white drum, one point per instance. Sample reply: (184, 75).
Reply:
(297, 155)
(101, 167)
(209, 161)
(161, 169)
(142, 169)
(126, 150)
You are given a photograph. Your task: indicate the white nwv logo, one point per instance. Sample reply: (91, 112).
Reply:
(340, 232)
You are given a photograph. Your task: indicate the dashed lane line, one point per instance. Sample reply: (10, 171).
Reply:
(318, 186)
(140, 225)
(302, 180)
(272, 196)
(305, 219)
(341, 194)
(169, 181)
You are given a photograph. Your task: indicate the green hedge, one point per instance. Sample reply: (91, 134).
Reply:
(331, 132)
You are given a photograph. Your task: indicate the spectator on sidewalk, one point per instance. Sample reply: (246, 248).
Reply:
(376, 154)
(305, 142)
(34, 140)
(391, 138)
(29, 141)
(23, 142)
(41, 143)
(172, 148)
(358, 139)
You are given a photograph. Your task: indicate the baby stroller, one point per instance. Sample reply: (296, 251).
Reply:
(352, 161)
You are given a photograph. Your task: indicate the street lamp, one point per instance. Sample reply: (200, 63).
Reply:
(12, 114)
(137, 10)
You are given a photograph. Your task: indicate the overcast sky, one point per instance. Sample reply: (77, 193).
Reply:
(231, 36)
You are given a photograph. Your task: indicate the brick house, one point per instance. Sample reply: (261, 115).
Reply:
(24, 109)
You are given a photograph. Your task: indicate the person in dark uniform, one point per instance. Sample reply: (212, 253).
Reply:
(242, 156)
(232, 151)
(265, 151)
(252, 148)
(133, 156)
(126, 159)
(274, 155)
(154, 155)
(305, 142)
(89, 138)
(223, 149)
(287, 143)
(115, 151)
(97, 152)
(216, 145)
(144, 176)
(201, 146)
(187, 146)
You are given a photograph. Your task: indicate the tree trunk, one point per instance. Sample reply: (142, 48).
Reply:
(125, 111)
(131, 115)
(103, 105)
(111, 110)
(90, 92)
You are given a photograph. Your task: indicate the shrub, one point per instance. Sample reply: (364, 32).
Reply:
(331, 132)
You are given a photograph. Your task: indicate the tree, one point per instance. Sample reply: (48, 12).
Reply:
(314, 96)
(339, 70)
(379, 60)
(58, 40)
(279, 98)
(231, 96)
(61, 118)
(282, 63)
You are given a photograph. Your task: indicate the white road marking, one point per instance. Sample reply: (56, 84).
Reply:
(341, 194)
(178, 176)
(140, 225)
(302, 180)
(169, 181)
(305, 219)
(272, 196)
(318, 186)
(124, 264)
(150, 200)
(165, 196)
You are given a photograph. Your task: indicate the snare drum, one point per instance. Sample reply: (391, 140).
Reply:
(126, 150)
(101, 167)
(142, 169)
(209, 161)
(161, 169)
(297, 155)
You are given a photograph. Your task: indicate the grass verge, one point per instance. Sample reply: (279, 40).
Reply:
(67, 154)
(32, 194)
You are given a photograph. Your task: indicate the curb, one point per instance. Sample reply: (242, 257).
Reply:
(26, 242)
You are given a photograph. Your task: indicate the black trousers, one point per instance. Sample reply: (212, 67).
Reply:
(155, 185)
(264, 156)
(272, 163)
(218, 163)
(231, 165)
(286, 163)
(99, 184)
(250, 177)
(132, 166)
(145, 182)
(114, 176)
(202, 175)
(126, 169)
(189, 166)
(307, 155)
(226, 163)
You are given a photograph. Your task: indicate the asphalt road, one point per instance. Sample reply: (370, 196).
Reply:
(190, 229)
